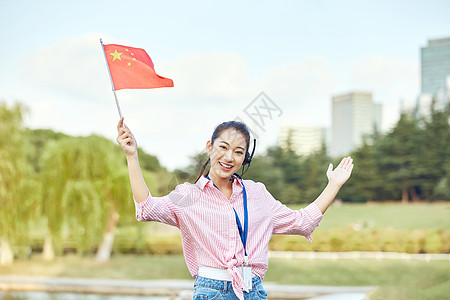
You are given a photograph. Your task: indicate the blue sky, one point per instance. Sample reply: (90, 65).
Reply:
(221, 55)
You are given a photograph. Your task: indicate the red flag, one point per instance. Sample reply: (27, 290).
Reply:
(132, 68)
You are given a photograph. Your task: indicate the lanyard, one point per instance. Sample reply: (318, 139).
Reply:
(242, 231)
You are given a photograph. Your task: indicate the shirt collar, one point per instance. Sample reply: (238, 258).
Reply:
(203, 181)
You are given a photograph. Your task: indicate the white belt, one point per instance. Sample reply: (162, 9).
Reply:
(214, 273)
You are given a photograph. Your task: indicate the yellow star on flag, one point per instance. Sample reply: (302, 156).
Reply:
(116, 55)
(133, 69)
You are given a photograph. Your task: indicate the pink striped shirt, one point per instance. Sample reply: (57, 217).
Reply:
(208, 227)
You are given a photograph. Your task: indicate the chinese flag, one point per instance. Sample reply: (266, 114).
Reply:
(132, 68)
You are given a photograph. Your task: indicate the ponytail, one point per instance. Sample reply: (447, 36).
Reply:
(202, 170)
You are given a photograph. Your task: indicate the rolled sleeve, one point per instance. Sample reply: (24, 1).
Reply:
(299, 222)
(313, 216)
(158, 209)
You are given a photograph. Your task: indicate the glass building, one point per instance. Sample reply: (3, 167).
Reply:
(435, 66)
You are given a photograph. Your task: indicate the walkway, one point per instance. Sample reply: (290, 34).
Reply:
(173, 289)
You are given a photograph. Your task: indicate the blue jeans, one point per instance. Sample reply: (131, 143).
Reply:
(211, 289)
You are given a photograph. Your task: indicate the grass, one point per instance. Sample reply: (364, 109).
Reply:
(380, 216)
(396, 279)
(119, 267)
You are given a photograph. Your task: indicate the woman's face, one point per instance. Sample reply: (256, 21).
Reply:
(227, 153)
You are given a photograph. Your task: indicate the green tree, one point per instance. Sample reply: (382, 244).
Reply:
(398, 153)
(365, 182)
(148, 162)
(191, 171)
(313, 170)
(84, 184)
(435, 155)
(442, 190)
(18, 186)
(263, 169)
(38, 139)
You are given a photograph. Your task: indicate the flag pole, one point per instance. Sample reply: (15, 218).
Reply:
(110, 77)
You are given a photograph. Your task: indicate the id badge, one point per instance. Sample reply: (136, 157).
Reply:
(247, 275)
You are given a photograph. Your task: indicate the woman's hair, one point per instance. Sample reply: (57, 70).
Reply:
(238, 126)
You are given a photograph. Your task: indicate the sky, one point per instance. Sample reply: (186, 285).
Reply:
(221, 57)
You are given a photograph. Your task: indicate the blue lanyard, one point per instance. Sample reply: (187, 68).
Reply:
(242, 232)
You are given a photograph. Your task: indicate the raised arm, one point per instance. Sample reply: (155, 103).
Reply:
(128, 143)
(336, 178)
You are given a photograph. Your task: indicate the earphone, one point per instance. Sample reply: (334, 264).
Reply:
(248, 156)
(248, 159)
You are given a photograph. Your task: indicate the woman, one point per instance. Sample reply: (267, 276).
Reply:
(226, 222)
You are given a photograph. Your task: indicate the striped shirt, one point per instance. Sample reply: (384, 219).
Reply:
(208, 227)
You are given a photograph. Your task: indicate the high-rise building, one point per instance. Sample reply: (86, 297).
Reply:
(303, 140)
(353, 116)
(435, 59)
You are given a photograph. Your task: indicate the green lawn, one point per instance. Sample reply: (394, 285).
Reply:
(395, 216)
(396, 279)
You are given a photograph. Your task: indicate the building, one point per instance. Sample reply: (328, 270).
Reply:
(435, 76)
(354, 115)
(435, 61)
(303, 140)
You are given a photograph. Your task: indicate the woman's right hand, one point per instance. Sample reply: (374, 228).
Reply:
(126, 139)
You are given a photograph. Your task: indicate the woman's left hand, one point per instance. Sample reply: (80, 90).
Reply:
(342, 172)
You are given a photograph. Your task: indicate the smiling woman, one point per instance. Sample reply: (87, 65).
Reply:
(227, 151)
(226, 222)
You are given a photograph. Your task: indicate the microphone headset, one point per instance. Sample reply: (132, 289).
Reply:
(246, 163)
(248, 156)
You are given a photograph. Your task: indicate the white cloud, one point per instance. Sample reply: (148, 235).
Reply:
(390, 80)
(302, 90)
(389, 77)
(302, 82)
(214, 75)
(74, 66)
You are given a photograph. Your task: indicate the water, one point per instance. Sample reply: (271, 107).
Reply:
(341, 296)
(73, 296)
(70, 296)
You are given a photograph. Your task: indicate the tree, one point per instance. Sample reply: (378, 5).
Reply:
(435, 151)
(38, 139)
(398, 154)
(313, 170)
(18, 186)
(148, 162)
(366, 181)
(81, 195)
(264, 170)
(191, 171)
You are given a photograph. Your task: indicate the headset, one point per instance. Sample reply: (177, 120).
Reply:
(248, 159)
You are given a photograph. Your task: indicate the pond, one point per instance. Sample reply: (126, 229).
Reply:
(70, 296)
(74, 296)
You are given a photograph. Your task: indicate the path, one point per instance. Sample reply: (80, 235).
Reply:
(174, 289)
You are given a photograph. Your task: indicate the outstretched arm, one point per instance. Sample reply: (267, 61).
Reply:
(128, 143)
(336, 178)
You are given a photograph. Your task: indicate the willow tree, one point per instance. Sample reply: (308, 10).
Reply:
(17, 185)
(81, 195)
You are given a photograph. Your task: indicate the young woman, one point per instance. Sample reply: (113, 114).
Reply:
(226, 222)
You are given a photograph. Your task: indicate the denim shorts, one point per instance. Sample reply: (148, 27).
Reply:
(211, 289)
